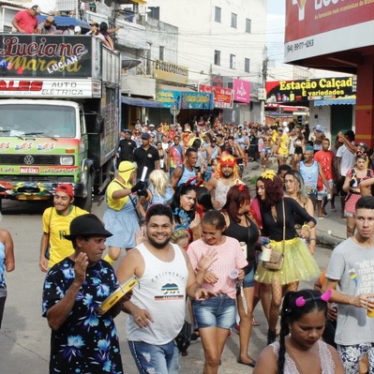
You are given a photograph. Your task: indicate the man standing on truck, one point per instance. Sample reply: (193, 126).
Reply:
(146, 155)
(56, 223)
(25, 21)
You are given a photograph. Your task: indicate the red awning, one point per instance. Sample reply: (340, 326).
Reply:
(285, 108)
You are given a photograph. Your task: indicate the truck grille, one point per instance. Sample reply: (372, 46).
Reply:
(29, 159)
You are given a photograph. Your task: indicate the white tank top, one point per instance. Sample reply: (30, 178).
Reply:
(220, 194)
(162, 292)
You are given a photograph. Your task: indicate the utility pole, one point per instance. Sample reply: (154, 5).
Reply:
(265, 64)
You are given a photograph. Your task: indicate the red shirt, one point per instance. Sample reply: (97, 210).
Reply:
(27, 22)
(325, 159)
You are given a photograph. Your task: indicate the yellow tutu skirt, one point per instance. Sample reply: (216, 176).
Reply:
(298, 264)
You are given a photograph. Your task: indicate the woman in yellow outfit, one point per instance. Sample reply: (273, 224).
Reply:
(278, 224)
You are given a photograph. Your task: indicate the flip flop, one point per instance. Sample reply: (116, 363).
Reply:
(251, 364)
(255, 323)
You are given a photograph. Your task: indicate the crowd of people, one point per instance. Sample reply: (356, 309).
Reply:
(206, 246)
(26, 22)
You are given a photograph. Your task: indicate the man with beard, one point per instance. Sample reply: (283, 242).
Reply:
(48, 26)
(226, 175)
(157, 307)
(56, 222)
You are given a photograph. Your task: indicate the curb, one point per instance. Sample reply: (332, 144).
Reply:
(327, 240)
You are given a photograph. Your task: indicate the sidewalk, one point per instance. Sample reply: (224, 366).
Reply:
(331, 230)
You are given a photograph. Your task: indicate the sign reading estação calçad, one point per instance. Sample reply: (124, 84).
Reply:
(310, 89)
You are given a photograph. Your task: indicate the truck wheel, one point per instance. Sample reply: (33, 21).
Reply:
(86, 202)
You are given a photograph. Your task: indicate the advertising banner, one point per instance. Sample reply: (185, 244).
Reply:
(317, 27)
(222, 96)
(310, 89)
(45, 56)
(242, 90)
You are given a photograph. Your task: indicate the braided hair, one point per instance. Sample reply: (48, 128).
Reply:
(292, 311)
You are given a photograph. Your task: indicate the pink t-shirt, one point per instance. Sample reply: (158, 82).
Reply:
(230, 256)
(27, 22)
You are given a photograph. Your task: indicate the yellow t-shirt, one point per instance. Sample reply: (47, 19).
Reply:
(57, 225)
(116, 204)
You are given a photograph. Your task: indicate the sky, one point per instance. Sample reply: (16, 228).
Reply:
(275, 29)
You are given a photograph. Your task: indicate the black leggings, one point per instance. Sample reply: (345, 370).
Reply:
(2, 304)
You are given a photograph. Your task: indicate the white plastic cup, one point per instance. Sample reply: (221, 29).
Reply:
(266, 253)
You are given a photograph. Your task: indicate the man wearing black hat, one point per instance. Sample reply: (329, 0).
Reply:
(126, 147)
(146, 155)
(82, 340)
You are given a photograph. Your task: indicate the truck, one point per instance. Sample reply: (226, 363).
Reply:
(59, 116)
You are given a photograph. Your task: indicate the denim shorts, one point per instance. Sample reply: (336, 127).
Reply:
(155, 358)
(218, 311)
(249, 279)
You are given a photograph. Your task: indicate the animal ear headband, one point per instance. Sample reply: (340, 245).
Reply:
(301, 301)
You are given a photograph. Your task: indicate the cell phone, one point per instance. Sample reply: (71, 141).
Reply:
(117, 295)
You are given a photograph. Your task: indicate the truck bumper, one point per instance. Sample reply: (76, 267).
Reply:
(25, 190)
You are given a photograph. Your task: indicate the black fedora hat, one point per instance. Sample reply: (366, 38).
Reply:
(87, 225)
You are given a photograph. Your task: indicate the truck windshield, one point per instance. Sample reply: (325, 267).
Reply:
(37, 120)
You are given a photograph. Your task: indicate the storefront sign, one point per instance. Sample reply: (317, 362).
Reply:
(242, 90)
(318, 27)
(58, 88)
(222, 96)
(184, 100)
(196, 100)
(169, 98)
(313, 89)
(169, 72)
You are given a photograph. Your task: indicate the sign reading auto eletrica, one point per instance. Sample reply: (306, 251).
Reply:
(317, 27)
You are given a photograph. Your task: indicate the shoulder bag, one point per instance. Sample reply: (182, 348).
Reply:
(276, 258)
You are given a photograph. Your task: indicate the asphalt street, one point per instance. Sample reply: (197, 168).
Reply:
(25, 335)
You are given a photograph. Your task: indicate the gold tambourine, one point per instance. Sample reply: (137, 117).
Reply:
(117, 295)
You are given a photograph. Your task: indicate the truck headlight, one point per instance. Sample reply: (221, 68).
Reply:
(67, 160)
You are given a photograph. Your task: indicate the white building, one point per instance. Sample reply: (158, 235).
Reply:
(219, 40)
